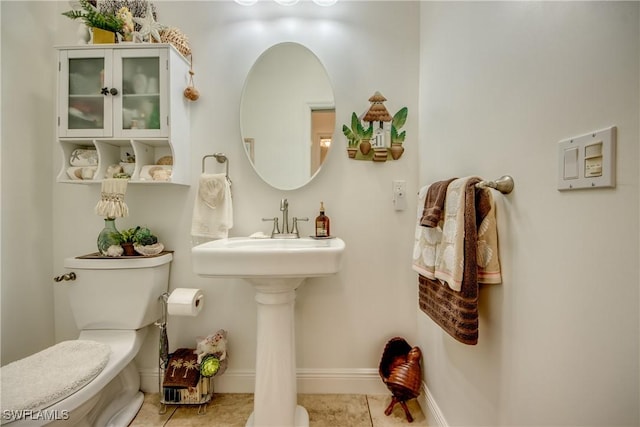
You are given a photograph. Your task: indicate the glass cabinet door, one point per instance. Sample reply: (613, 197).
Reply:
(85, 108)
(142, 77)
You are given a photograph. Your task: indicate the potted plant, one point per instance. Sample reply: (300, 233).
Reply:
(104, 26)
(140, 241)
(397, 138)
(146, 243)
(352, 136)
(127, 238)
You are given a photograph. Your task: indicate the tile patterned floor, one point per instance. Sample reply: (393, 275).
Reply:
(325, 410)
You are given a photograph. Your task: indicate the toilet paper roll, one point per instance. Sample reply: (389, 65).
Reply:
(185, 302)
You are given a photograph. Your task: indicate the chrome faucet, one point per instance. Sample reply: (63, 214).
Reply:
(284, 208)
(286, 233)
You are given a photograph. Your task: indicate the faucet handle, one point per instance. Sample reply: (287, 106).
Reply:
(294, 229)
(276, 228)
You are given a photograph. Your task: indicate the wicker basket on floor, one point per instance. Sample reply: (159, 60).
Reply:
(401, 372)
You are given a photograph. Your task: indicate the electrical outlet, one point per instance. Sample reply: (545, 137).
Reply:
(399, 195)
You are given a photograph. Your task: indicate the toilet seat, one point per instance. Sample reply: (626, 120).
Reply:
(122, 346)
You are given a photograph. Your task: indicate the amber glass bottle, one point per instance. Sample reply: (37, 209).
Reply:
(322, 223)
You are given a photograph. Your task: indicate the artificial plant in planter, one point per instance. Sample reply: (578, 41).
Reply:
(98, 22)
(127, 240)
(397, 138)
(140, 241)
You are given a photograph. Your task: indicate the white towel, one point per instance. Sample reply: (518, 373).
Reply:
(426, 241)
(450, 255)
(213, 210)
(489, 271)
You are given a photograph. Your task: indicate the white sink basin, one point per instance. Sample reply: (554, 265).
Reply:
(245, 257)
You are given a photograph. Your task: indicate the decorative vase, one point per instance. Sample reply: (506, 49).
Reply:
(396, 151)
(84, 34)
(101, 36)
(109, 236)
(365, 146)
(352, 151)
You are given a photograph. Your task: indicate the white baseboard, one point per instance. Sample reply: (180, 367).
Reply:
(340, 381)
(311, 381)
(431, 410)
(149, 380)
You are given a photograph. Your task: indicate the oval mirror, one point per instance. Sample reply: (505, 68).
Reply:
(287, 116)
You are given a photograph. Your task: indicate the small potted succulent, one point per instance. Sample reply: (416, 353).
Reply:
(140, 241)
(127, 239)
(145, 243)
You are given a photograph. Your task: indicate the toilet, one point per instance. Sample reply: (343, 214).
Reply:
(113, 302)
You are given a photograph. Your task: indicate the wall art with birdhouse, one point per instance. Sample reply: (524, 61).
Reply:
(376, 134)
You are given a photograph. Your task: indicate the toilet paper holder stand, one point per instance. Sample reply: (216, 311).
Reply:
(205, 385)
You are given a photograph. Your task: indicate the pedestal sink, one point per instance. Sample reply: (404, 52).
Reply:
(275, 268)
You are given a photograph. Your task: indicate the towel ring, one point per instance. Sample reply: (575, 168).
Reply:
(221, 158)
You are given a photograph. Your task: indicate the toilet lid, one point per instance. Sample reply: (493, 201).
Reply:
(49, 376)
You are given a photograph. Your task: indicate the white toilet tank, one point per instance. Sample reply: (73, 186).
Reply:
(117, 293)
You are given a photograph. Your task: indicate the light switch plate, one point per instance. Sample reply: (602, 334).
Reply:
(595, 165)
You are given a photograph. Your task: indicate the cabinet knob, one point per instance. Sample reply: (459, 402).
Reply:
(106, 91)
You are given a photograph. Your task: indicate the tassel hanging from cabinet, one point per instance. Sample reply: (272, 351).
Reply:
(191, 93)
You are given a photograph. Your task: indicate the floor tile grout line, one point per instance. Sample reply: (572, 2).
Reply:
(369, 409)
(175, 408)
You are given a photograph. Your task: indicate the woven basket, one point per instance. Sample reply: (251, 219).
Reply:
(178, 39)
(401, 372)
(395, 352)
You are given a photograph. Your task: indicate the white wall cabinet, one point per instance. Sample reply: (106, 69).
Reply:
(123, 100)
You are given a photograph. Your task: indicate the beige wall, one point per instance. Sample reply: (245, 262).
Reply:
(27, 135)
(500, 85)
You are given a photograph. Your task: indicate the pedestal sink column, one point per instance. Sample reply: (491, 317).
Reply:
(275, 268)
(275, 397)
